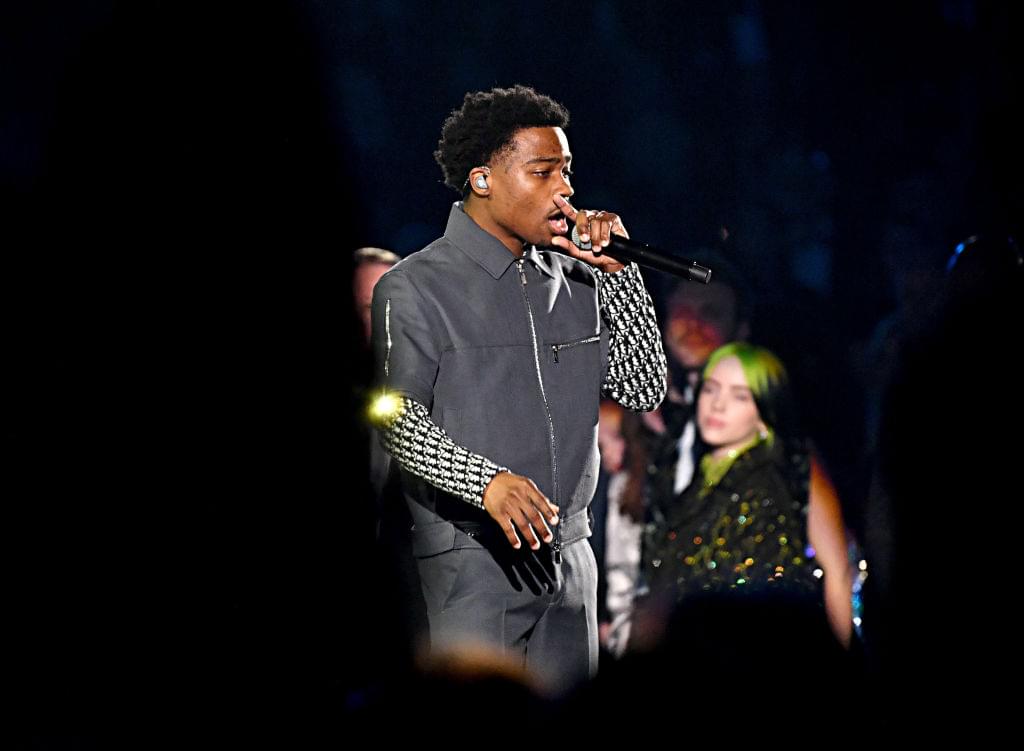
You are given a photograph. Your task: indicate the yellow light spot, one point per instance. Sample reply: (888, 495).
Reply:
(780, 568)
(720, 541)
(748, 562)
(783, 540)
(385, 408)
(689, 560)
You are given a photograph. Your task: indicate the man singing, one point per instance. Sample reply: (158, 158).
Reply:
(493, 351)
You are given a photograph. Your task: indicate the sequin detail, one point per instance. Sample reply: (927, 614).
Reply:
(713, 548)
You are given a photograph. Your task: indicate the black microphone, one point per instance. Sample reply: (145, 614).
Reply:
(625, 250)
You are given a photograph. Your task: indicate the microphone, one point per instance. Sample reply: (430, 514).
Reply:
(625, 250)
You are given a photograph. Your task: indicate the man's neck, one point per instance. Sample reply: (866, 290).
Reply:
(483, 219)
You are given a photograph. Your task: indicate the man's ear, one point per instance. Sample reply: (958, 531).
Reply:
(478, 183)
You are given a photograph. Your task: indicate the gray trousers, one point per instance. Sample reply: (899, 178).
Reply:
(480, 590)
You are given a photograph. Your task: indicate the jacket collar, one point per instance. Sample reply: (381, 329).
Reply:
(483, 247)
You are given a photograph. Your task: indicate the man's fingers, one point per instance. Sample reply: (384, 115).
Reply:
(560, 242)
(537, 522)
(594, 227)
(606, 232)
(547, 516)
(510, 532)
(566, 207)
(541, 502)
(583, 226)
(595, 230)
(522, 511)
(526, 531)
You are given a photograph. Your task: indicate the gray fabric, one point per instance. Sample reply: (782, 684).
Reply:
(516, 602)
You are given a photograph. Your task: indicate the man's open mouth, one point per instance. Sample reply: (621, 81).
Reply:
(558, 223)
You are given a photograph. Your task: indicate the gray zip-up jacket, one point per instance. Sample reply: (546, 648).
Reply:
(499, 363)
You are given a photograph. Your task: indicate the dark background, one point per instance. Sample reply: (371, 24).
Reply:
(182, 187)
(844, 149)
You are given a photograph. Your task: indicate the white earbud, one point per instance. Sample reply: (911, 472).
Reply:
(481, 182)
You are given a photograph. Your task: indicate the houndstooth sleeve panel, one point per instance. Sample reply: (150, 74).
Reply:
(637, 369)
(422, 447)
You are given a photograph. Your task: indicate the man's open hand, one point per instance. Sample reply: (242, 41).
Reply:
(515, 502)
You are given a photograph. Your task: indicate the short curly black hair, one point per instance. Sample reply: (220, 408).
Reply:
(485, 125)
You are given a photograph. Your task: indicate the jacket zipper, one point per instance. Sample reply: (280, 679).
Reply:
(567, 345)
(556, 543)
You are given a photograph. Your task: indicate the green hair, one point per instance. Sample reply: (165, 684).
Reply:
(767, 379)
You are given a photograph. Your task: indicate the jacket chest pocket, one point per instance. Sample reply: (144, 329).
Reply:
(562, 348)
(574, 374)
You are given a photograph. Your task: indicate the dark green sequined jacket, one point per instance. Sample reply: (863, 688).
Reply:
(748, 534)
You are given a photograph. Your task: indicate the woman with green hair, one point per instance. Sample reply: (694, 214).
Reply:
(756, 519)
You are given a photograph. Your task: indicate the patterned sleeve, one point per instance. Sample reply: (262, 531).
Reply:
(637, 370)
(423, 448)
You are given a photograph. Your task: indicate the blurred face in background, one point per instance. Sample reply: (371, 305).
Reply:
(726, 413)
(701, 318)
